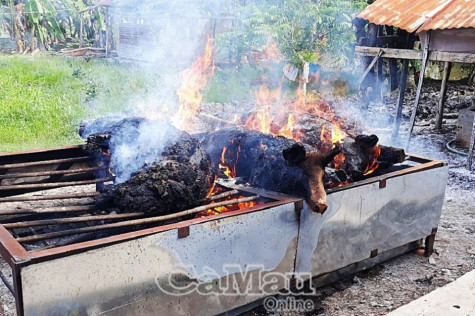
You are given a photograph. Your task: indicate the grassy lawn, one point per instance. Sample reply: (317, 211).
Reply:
(43, 99)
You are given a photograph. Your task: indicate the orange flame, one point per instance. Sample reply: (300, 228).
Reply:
(195, 80)
(373, 164)
(213, 190)
(230, 172)
(229, 208)
(337, 134)
(283, 119)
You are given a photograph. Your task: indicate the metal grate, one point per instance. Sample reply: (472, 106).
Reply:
(47, 200)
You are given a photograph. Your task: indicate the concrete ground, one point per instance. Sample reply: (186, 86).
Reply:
(455, 298)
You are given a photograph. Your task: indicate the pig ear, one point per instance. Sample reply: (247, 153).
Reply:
(367, 141)
(295, 155)
(331, 155)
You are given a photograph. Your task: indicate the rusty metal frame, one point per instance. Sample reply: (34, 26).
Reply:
(425, 164)
(18, 257)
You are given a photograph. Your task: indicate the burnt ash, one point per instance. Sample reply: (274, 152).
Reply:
(177, 178)
(166, 186)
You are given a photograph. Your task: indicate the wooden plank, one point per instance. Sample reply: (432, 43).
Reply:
(415, 54)
(443, 95)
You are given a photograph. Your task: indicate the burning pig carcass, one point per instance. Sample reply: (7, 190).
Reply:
(147, 219)
(163, 232)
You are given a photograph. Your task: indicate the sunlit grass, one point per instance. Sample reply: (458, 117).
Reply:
(43, 99)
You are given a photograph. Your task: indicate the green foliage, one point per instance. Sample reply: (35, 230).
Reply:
(303, 29)
(43, 99)
(42, 23)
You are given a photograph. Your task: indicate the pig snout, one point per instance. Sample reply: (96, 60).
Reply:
(317, 197)
(317, 200)
(313, 164)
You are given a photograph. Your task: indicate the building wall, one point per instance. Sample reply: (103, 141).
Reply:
(454, 40)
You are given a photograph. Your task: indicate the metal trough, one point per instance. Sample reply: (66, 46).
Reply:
(220, 263)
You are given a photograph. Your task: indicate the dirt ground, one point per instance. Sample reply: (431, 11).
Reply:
(394, 283)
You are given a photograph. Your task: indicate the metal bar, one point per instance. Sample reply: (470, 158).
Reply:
(52, 185)
(424, 166)
(45, 210)
(28, 153)
(68, 220)
(133, 222)
(443, 94)
(425, 56)
(49, 197)
(10, 250)
(7, 284)
(48, 173)
(42, 255)
(46, 162)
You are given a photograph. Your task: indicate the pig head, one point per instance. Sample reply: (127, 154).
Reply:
(313, 164)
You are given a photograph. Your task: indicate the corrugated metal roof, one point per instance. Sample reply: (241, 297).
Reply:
(457, 14)
(410, 15)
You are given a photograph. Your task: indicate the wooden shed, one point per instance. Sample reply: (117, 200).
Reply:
(162, 32)
(445, 28)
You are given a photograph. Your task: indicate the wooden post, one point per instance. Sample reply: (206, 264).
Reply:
(379, 84)
(400, 99)
(471, 147)
(443, 94)
(425, 58)
(80, 30)
(107, 31)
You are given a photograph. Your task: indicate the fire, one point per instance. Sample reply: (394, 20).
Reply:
(230, 172)
(266, 96)
(229, 208)
(373, 165)
(195, 79)
(337, 134)
(286, 131)
(330, 141)
(213, 190)
(276, 117)
(259, 121)
(338, 161)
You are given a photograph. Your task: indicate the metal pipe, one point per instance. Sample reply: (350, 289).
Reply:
(133, 222)
(48, 173)
(7, 284)
(49, 197)
(58, 209)
(68, 220)
(52, 185)
(45, 162)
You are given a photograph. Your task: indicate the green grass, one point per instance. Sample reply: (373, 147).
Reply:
(43, 99)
